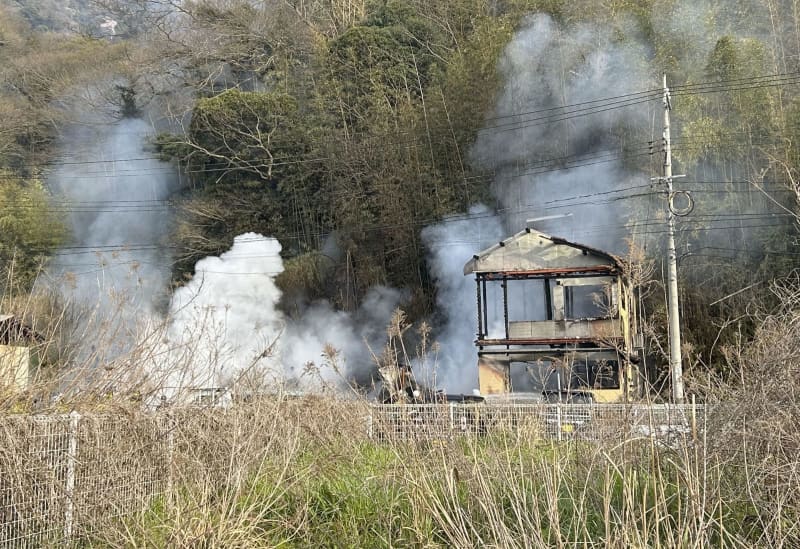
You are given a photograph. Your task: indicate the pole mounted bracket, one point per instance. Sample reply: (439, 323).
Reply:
(662, 179)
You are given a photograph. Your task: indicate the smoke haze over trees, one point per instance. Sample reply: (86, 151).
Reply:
(351, 131)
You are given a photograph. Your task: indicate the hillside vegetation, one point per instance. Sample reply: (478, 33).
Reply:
(344, 129)
(351, 125)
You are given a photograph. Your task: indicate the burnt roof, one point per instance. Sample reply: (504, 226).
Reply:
(530, 250)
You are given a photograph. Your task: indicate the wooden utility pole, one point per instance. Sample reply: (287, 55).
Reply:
(675, 358)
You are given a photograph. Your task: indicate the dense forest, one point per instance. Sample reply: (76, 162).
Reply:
(344, 128)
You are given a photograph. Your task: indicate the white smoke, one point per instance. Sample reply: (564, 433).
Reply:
(355, 336)
(117, 266)
(546, 66)
(225, 325)
(225, 319)
(452, 243)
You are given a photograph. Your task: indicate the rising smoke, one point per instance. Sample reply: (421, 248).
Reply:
(225, 321)
(566, 164)
(230, 306)
(451, 243)
(546, 66)
(117, 266)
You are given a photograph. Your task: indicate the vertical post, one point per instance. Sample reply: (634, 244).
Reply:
(171, 425)
(69, 488)
(548, 300)
(369, 424)
(505, 305)
(694, 420)
(485, 308)
(558, 380)
(452, 416)
(675, 359)
(480, 308)
(558, 417)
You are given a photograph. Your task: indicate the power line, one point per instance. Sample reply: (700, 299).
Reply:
(126, 247)
(602, 157)
(583, 108)
(736, 84)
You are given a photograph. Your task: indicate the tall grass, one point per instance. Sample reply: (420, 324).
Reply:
(279, 471)
(303, 473)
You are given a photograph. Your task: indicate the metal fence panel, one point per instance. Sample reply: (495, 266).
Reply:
(121, 466)
(59, 474)
(33, 471)
(62, 475)
(667, 424)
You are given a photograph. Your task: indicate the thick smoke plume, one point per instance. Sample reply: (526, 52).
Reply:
(225, 323)
(548, 161)
(544, 67)
(115, 193)
(586, 167)
(451, 243)
(225, 327)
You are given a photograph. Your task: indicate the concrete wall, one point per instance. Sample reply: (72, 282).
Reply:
(566, 329)
(16, 367)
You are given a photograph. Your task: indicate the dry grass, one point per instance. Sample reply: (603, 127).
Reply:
(301, 472)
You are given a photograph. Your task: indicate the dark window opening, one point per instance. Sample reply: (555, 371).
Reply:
(590, 301)
(595, 374)
(527, 377)
(527, 300)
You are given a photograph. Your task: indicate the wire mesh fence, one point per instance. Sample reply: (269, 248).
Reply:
(65, 477)
(33, 487)
(59, 474)
(666, 424)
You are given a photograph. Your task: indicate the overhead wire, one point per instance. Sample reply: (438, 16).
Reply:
(583, 231)
(608, 103)
(537, 168)
(124, 247)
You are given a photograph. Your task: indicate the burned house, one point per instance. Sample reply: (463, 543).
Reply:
(555, 318)
(19, 353)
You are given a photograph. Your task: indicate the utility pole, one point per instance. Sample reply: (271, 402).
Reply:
(675, 359)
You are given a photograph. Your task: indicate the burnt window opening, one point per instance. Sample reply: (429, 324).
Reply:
(588, 301)
(506, 301)
(527, 300)
(595, 374)
(528, 377)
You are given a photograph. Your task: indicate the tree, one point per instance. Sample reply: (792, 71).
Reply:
(243, 131)
(30, 230)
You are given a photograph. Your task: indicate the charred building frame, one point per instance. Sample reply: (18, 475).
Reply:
(554, 316)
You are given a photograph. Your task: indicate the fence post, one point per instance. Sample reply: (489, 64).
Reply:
(558, 416)
(694, 420)
(171, 426)
(72, 455)
(452, 416)
(369, 424)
